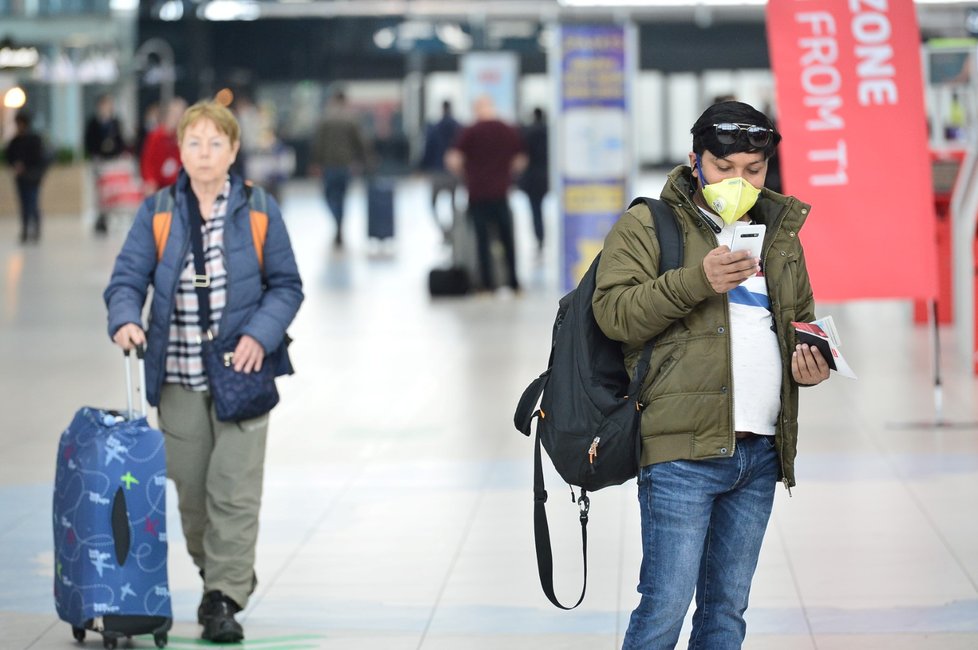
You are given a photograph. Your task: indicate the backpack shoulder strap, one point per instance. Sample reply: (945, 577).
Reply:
(667, 230)
(258, 210)
(162, 218)
(163, 202)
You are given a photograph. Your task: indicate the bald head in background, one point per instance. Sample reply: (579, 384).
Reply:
(484, 108)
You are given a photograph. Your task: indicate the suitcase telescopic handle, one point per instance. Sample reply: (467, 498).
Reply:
(140, 355)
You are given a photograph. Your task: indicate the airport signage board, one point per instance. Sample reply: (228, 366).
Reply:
(596, 65)
(851, 109)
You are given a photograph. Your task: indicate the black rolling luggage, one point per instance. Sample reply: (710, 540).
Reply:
(380, 207)
(453, 281)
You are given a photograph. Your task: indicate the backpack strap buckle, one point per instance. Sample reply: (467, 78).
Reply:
(585, 504)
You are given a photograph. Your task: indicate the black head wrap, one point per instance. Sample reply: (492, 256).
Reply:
(704, 133)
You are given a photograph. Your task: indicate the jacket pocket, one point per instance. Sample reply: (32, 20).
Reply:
(659, 373)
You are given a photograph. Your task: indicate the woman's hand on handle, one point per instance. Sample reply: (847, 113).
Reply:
(129, 336)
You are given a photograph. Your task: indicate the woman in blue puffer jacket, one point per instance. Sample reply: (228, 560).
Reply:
(253, 296)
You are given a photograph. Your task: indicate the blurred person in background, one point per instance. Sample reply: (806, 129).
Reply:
(338, 148)
(160, 160)
(26, 155)
(487, 156)
(535, 180)
(217, 466)
(439, 137)
(249, 117)
(103, 143)
(151, 120)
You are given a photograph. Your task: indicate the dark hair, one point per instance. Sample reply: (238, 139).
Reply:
(23, 117)
(704, 136)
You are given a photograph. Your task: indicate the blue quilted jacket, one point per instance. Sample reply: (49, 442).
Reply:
(262, 312)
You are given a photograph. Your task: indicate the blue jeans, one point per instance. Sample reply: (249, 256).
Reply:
(29, 193)
(702, 526)
(335, 182)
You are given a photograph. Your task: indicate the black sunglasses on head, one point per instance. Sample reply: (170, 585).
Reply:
(728, 132)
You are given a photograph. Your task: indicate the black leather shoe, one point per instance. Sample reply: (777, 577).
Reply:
(216, 614)
(201, 608)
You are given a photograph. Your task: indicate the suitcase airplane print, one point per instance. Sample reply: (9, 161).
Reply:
(109, 521)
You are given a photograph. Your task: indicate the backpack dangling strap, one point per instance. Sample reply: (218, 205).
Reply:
(541, 531)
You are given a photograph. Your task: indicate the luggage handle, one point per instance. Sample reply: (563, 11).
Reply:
(140, 354)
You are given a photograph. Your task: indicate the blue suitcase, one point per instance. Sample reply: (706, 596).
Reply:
(109, 521)
(380, 207)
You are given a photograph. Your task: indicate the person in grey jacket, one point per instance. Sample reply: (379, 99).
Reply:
(720, 423)
(338, 149)
(216, 466)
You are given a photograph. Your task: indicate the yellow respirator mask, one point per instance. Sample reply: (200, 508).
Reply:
(730, 198)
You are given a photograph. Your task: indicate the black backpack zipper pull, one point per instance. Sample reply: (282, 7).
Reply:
(592, 452)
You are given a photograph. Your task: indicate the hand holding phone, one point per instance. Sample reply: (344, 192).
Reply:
(750, 237)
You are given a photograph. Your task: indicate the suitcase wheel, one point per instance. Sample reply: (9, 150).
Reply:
(109, 642)
(160, 639)
(78, 633)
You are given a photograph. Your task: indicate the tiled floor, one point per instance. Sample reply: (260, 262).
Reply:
(397, 510)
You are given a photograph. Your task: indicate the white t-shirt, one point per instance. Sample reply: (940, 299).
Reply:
(754, 345)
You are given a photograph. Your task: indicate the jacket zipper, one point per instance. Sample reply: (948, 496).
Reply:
(730, 416)
(775, 317)
(730, 380)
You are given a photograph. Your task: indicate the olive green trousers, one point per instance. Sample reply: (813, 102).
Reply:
(218, 469)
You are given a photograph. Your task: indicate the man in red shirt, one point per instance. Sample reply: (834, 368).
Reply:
(487, 156)
(160, 161)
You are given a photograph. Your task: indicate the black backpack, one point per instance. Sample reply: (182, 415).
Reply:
(589, 414)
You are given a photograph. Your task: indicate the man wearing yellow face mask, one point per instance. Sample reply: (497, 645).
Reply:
(720, 424)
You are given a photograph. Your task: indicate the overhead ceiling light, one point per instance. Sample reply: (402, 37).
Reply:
(15, 98)
(385, 38)
(219, 10)
(19, 57)
(171, 10)
(454, 36)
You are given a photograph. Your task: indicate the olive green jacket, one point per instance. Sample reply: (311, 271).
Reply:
(339, 142)
(688, 393)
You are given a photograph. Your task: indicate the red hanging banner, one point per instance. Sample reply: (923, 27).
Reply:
(851, 109)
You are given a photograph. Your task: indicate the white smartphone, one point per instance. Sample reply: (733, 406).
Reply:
(748, 236)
